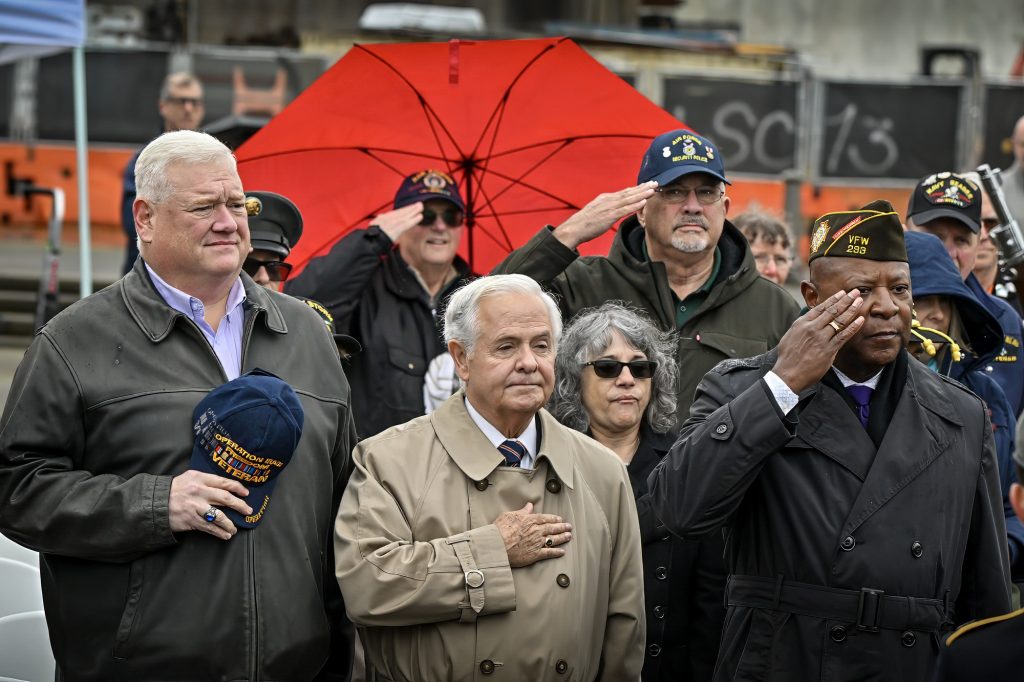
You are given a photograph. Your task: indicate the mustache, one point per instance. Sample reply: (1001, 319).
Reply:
(698, 220)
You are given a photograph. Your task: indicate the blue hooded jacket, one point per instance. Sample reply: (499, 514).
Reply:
(933, 273)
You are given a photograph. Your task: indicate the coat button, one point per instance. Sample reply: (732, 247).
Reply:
(908, 638)
(661, 573)
(848, 543)
(653, 650)
(837, 633)
(481, 485)
(561, 667)
(487, 666)
(562, 580)
(659, 611)
(917, 549)
(554, 486)
(721, 428)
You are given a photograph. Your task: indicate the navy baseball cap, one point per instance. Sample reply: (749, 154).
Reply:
(678, 153)
(428, 184)
(248, 429)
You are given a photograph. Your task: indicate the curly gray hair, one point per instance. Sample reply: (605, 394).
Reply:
(587, 336)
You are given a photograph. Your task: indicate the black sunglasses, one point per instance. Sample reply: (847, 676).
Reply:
(611, 369)
(277, 271)
(452, 217)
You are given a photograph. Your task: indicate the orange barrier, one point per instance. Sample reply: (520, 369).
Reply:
(53, 165)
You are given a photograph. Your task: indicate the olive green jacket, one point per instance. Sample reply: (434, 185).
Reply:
(744, 314)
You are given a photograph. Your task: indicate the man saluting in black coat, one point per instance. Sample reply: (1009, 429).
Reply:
(860, 490)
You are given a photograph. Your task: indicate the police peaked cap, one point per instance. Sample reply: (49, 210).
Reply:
(275, 223)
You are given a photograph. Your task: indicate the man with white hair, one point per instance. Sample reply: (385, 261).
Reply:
(486, 538)
(144, 574)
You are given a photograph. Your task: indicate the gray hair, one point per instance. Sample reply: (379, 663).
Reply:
(759, 225)
(178, 79)
(180, 146)
(587, 336)
(461, 318)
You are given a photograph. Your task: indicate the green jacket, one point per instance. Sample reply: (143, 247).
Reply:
(744, 314)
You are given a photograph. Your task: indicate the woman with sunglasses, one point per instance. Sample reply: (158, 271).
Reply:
(615, 380)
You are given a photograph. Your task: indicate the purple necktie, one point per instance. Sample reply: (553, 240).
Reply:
(513, 451)
(862, 396)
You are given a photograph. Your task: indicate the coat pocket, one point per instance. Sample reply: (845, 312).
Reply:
(732, 346)
(757, 659)
(132, 603)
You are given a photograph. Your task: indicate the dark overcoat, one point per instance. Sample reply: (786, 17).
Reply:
(847, 561)
(684, 583)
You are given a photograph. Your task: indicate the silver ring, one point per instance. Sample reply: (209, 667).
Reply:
(211, 514)
(835, 325)
(549, 542)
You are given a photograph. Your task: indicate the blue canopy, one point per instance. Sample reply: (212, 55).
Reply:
(33, 28)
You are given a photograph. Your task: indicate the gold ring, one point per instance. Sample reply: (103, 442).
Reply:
(835, 325)
(549, 542)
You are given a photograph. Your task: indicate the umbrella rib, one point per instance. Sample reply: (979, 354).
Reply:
(427, 109)
(530, 186)
(519, 180)
(569, 140)
(364, 150)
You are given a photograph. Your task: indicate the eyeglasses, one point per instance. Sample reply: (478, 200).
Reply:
(277, 271)
(677, 195)
(765, 258)
(182, 101)
(452, 217)
(611, 369)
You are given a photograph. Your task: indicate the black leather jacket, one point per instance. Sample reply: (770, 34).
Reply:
(376, 298)
(99, 421)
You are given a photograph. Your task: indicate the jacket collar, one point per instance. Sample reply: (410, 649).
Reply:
(156, 319)
(474, 454)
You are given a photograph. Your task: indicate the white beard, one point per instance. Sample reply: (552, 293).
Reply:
(690, 242)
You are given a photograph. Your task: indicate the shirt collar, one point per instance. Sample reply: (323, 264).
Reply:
(191, 306)
(871, 383)
(528, 437)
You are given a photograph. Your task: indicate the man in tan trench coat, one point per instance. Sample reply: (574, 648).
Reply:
(485, 540)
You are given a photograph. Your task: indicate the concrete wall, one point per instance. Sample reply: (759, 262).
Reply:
(874, 38)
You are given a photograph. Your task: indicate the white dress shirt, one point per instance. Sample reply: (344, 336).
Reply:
(786, 399)
(528, 437)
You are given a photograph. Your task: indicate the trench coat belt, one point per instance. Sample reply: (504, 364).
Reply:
(867, 608)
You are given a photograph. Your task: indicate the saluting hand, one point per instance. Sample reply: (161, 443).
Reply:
(530, 537)
(395, 223)
(192, 495)
(810, 346)
(599, 215)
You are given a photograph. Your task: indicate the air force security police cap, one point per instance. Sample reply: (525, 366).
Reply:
(872, 233)
(275, 223)
(677, 153)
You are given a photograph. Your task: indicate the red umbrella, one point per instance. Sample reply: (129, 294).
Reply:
(532, 130)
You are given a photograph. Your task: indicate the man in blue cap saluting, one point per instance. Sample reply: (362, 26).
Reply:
(859, 488)
(676, 257)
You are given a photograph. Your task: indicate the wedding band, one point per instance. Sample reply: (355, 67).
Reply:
(211, 514)
(835, 325)
(548, 542)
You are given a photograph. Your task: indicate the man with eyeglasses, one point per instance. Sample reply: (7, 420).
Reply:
(948, 205)
(675, 256)
(275, 226)
(387, 287)
(181, 108)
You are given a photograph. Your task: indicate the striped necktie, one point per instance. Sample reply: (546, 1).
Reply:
(513, 451)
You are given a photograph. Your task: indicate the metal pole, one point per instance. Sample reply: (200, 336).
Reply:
(82, 161)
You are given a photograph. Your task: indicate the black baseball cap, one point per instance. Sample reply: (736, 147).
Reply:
(946, 195)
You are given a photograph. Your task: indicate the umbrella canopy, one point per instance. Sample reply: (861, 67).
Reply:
(532, 130)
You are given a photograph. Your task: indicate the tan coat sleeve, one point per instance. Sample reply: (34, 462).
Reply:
(390, 578)
(622, 655)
